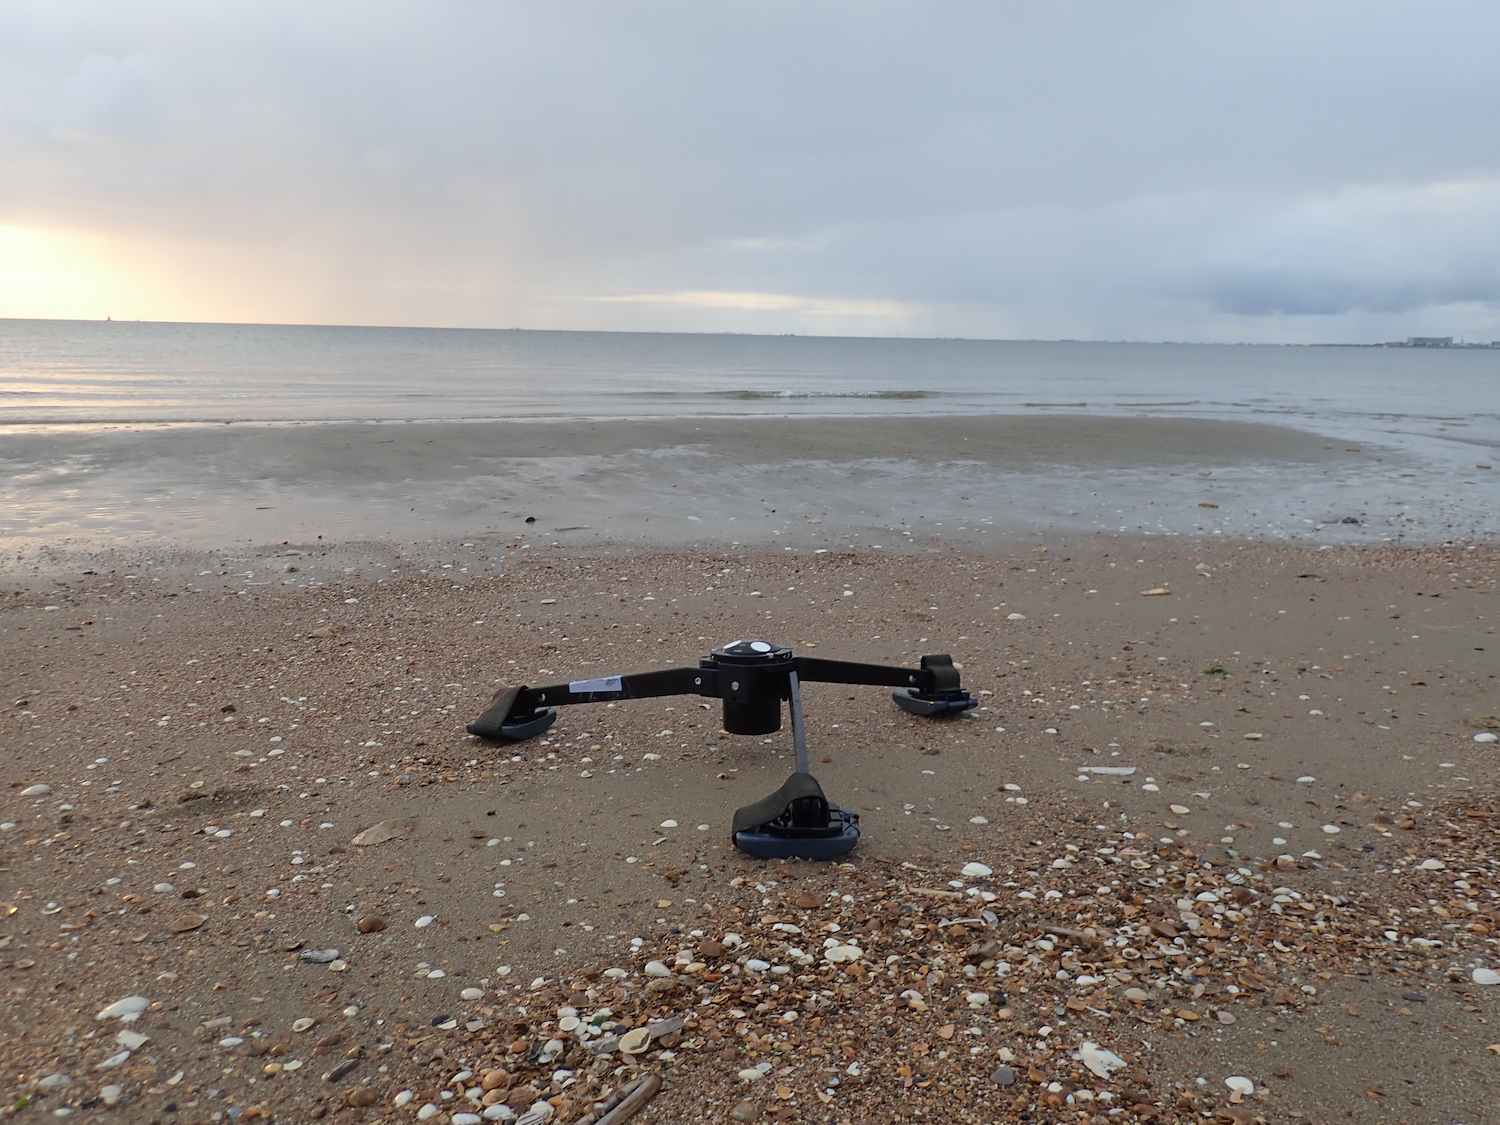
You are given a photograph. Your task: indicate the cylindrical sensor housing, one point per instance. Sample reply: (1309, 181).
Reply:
(761, 716)
(752, 682)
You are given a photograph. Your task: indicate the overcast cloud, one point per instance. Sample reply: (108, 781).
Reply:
(1316, 170)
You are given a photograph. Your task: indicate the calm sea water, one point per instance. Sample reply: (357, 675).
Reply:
(91, 373)
(202, 433)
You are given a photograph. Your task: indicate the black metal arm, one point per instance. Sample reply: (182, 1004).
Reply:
(640, 685)
(812, 669)
(751, 678)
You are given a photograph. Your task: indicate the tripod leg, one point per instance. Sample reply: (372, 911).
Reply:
(799, 731)
(796, 820)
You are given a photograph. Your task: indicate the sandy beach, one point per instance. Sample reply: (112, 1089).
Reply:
(1239, 836)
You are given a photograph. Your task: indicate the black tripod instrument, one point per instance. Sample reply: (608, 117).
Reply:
(751, 678)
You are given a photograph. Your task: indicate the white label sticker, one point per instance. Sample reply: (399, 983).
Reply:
(583, 687)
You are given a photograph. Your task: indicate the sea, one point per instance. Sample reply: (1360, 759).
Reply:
(1438, 410)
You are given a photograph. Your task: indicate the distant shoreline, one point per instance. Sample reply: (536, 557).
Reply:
(315, 325)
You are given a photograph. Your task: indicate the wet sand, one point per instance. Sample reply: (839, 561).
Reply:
(213, 729)
(693, 482)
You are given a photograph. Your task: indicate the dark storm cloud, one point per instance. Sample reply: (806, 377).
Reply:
(1100, 169)
(1294, 294)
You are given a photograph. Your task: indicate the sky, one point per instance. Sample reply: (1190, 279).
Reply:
(1265, 172)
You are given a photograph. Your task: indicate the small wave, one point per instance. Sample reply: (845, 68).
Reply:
(758, 396)
(1165, 402)
(1052, 405)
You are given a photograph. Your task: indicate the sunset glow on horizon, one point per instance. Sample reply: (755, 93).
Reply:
(54, 274)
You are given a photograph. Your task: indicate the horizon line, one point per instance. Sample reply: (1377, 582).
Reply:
(685, 332)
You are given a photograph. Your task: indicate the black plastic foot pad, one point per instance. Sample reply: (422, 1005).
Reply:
(497, 724)
(518, 730)
(768, 845)
(914, 704)
(796, 821)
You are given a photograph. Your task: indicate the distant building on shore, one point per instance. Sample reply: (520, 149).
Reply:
(1452, 343)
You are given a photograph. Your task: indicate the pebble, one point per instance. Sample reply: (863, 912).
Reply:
(43, 790)
(427, 1111)
(466, 1119)
(1004, 1076)
(58, 1081)
(129, 1009)
(635, 1041)
(370, 924)
(187, 923)
(472, 994)
(657, 969)
(1483, 736)
(1179, 810)
(131, 1040)
(1240, 1084)
(751, 1074)
(424, 921)
(110, 1095)
(1332, 829)
(318, 956)
(362, 1097)
(306, 1023)
(1431, 865)
(1254, 736)
(118, 1059)
(744, 1111)
(402, 1099)
(974, 870)
(1485, 976)
(1101, 1061)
